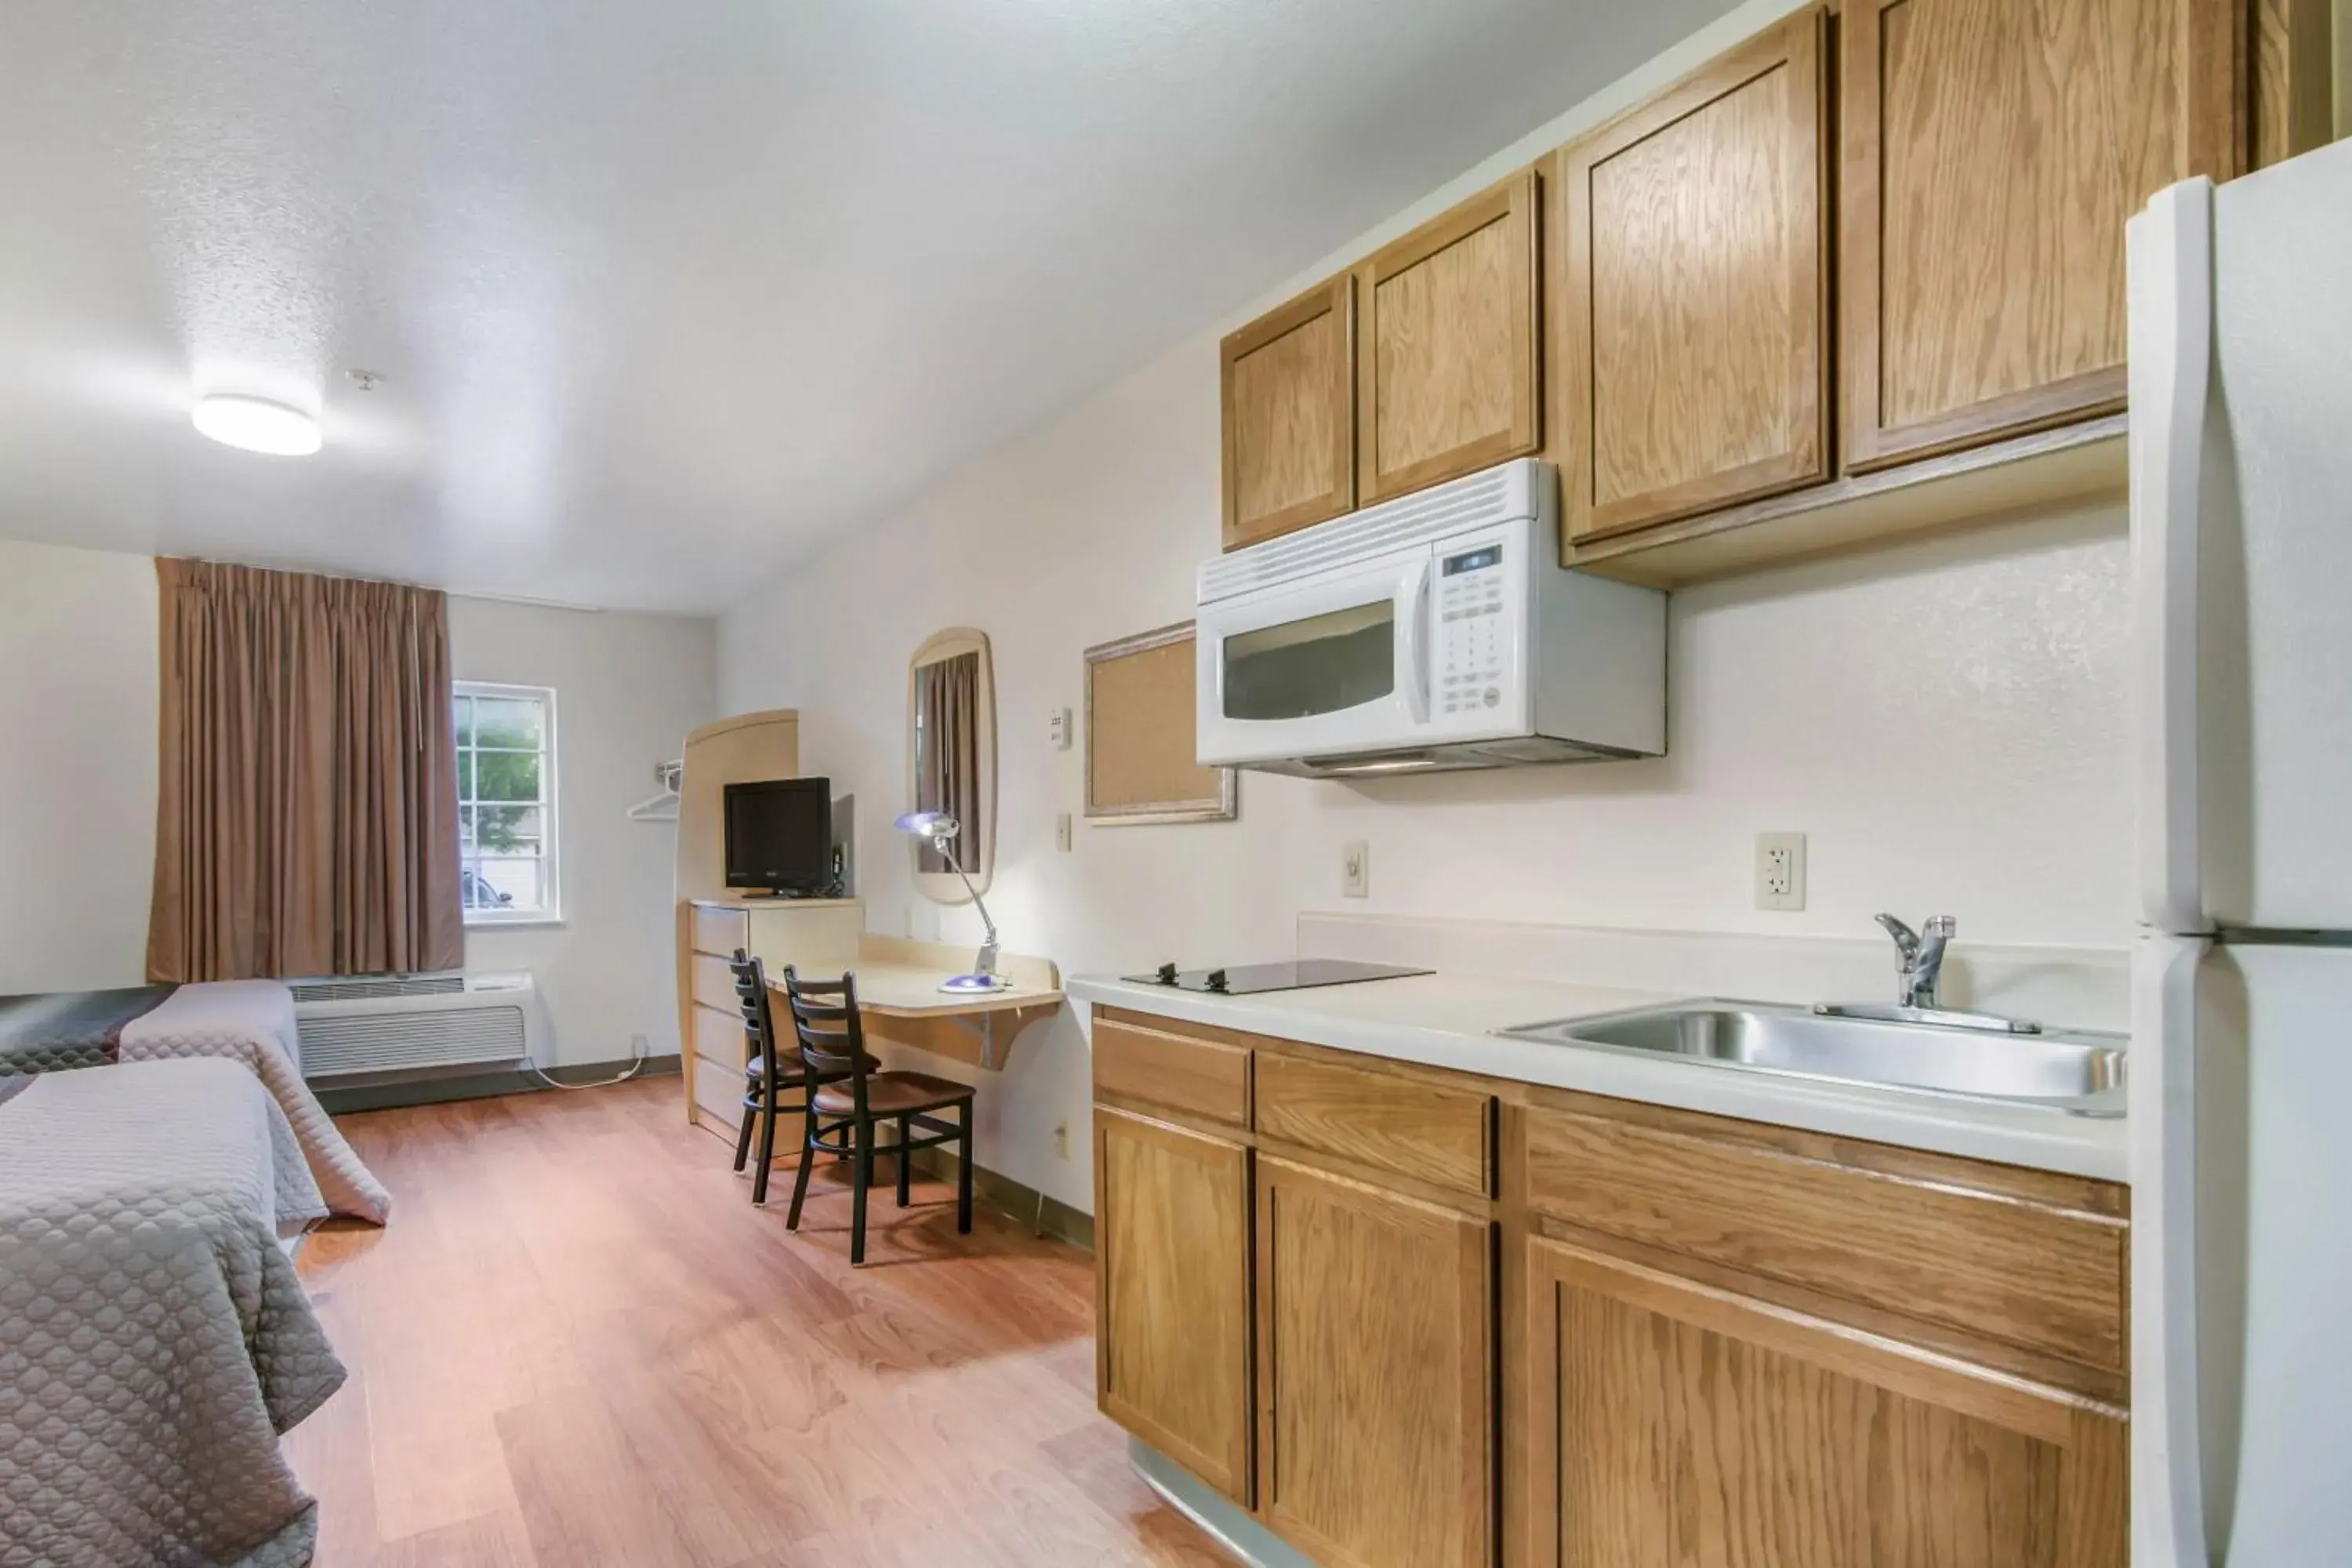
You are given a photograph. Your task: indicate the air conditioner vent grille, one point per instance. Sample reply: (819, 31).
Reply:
(365, 987)
(380, 1042)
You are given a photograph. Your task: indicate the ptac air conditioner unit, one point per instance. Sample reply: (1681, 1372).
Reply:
(400, 1022)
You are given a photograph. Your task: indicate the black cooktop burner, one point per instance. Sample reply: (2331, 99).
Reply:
(1243, 979)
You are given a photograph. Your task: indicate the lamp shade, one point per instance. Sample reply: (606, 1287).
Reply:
(255, 425)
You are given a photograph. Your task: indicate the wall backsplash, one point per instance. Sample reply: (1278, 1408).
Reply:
(1946, 720)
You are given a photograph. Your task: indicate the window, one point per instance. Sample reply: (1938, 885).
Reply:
(506, 802)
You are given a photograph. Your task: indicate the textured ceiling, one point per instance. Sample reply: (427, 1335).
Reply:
(663, 295)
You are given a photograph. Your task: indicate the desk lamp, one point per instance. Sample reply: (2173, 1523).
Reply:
(942, 829)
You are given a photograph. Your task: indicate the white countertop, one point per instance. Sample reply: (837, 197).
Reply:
(1446, 1019)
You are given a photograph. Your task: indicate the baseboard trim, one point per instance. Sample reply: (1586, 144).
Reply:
(1046, 1215)
(438, 1088)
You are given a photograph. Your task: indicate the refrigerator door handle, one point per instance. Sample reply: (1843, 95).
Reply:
(2169, 251)
(2168, 1488)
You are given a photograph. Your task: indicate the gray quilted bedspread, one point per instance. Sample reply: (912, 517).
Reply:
(250, 1021)
(154, 1339)
(65, 1029)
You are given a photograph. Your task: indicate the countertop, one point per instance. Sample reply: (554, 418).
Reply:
(1445, 1019)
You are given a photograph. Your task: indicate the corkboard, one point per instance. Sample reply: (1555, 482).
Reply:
(1139, 734)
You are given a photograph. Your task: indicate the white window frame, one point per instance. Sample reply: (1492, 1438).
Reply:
(550, 835)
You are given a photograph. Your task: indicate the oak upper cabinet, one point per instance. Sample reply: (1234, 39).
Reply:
(1991, 153)
(1172, 1293)
(1446, 378)
(1694, 355)
(1375, 1325)
(1289, 396)
(1679, 1422)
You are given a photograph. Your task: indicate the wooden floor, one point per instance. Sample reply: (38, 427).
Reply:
(577, 1343)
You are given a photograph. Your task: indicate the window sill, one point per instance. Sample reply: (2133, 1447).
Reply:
(518, 922)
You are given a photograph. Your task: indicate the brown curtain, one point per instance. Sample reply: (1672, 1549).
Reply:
(949, 777)
(307, 822)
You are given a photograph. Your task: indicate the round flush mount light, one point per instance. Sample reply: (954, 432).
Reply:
(255, 424)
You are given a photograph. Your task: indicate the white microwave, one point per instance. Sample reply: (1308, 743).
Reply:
(1431, 632)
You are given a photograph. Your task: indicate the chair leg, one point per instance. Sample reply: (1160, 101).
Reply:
(859, 1182)
(800, 1177)
(743, 1136)
(963, 1168)
(767, 1151)
(906, 1130)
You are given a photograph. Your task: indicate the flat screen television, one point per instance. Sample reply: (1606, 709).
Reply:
(780, 835)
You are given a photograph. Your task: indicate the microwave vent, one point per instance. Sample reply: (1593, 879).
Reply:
(1523, 487)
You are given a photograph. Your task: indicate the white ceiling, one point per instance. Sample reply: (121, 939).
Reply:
(664, 294)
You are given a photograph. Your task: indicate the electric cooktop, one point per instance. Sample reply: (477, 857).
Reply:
(1243, 979)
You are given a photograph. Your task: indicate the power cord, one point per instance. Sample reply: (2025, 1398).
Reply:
(637, 1065)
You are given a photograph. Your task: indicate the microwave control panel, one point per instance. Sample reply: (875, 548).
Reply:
(1472, 647)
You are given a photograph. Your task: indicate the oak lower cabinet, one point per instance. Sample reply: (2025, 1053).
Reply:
(1172, 1276)
(1404, 1316)
(1376, 1372)
(1676, 1422)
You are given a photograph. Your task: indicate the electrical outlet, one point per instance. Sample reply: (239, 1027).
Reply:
(1356, 869)
(1061, 1140)
(1779, 870)
(1062, 831)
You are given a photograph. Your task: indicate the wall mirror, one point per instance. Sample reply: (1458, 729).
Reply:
(951, 758)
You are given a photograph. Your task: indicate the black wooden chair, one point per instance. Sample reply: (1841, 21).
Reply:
(849, 1100)
(776, 1082)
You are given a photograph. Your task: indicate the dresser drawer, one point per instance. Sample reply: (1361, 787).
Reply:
(720, 931)
(2032, 1261)
(1406, 1124)
(714, 982)
(718, 1038)
(1208, 1077)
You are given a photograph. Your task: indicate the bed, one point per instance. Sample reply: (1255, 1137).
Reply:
(250, 1021)
(154, 1343)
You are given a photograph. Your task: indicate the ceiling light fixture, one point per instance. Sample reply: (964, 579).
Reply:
(255, 424)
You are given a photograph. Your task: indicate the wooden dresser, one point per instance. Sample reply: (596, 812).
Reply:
(821, 935)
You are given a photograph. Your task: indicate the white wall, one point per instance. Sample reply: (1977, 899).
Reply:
(627, 688)
(77, 747)
(1946, 720)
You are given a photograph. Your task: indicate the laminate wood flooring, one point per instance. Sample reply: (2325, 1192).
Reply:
(578, 1344)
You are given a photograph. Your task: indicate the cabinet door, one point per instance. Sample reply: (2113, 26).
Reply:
(1694, 348)
(1172, 1293)
(1289, 394)
(1671, 1421)
(1993, 151)
(1375, 1345)
(1446, 367)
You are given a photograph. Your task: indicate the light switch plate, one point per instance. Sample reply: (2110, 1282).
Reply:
(1356, 869)
(1057, 728)
(1779, 870)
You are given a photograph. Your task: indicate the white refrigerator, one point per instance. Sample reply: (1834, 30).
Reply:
(2240, 383)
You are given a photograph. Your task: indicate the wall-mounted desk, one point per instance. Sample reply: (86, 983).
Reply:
(898, 996)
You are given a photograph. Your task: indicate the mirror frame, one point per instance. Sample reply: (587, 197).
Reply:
(946, 886)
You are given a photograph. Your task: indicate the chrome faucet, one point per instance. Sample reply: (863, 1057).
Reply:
(1919, 959)
(1919, 969)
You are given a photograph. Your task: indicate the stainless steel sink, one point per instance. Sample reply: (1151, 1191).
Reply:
(2081, 1073)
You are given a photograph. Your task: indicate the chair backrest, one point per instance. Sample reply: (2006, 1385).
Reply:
(825, 1024)
(759, 1022)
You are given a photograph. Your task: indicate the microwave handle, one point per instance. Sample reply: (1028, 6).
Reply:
(1416, 644)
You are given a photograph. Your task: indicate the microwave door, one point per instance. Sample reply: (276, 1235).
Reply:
(1335, 666)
